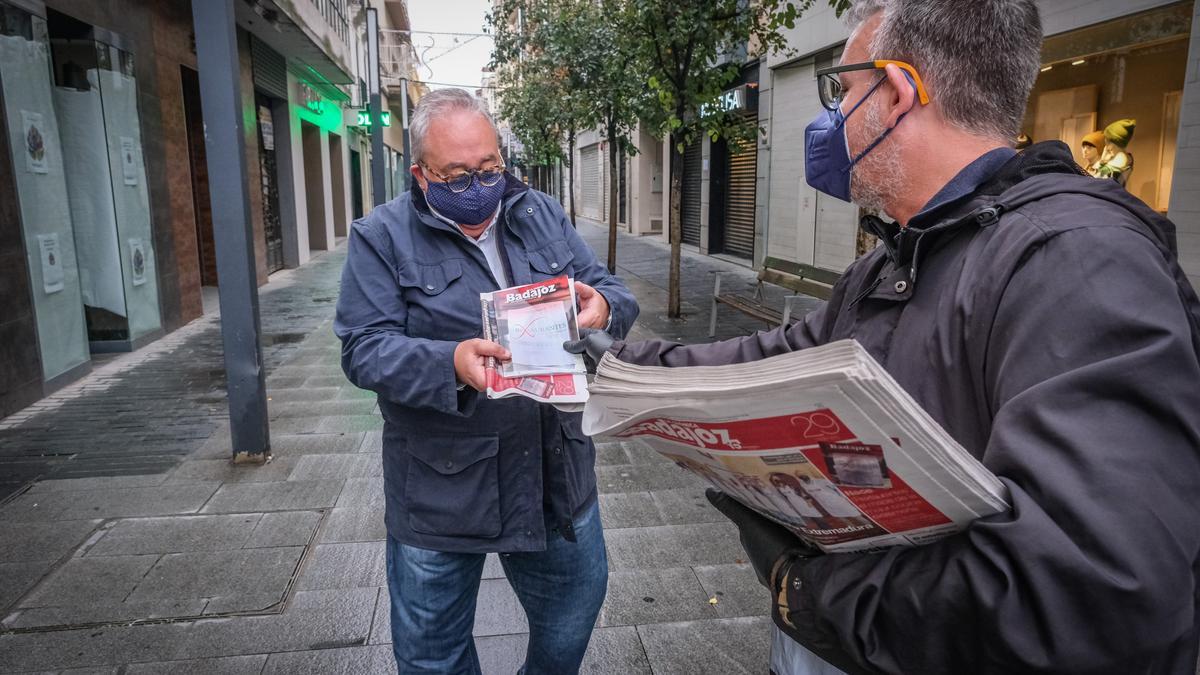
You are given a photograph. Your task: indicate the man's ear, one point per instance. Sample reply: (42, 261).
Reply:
(419, 176)
(903, 94)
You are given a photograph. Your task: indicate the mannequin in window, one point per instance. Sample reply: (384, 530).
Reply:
(1115, 163)
(1090, 147)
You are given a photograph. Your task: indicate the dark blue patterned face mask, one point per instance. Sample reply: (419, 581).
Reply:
(473, 206)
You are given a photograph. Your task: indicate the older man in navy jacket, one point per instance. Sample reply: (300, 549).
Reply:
(465, 475)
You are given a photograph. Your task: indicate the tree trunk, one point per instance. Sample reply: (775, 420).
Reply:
(612, 198)
(571, 178)
(676, 228)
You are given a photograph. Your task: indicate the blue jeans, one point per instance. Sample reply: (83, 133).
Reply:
(561, 589)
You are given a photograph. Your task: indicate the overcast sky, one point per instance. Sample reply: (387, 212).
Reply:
(464, 65)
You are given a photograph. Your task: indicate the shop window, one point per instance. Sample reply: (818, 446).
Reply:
(1132, 68)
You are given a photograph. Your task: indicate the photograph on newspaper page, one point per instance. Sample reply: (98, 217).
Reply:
(826, 473)
(532, 322)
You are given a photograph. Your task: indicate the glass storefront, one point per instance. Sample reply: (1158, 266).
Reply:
(46, 219)
(96, 102)
(1124, 77)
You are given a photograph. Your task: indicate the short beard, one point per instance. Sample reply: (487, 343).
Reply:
(879, 177)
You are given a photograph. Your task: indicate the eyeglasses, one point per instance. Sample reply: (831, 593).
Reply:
(829, 85)
(461, 181)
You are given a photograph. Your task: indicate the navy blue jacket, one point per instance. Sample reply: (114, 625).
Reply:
(463, 473)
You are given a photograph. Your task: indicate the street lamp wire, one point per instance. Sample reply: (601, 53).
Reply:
(432, 32)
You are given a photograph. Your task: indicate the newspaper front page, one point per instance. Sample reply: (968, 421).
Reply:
(819, 449)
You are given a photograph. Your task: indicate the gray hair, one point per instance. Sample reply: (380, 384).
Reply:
(438, 103)
(978, 59)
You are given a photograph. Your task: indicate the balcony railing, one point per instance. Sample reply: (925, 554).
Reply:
(334, 12)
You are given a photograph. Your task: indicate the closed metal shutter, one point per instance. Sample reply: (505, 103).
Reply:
(590, 184)
(270, 69)
(690, 195)
(739, 203)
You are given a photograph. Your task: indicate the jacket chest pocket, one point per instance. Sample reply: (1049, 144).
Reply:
(453, 486)
(441, 304)
(551, 260)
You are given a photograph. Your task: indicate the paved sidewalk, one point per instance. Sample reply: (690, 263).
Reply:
(161, 556)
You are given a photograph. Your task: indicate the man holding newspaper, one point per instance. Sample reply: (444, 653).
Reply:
(1038, 316)
(465, 475)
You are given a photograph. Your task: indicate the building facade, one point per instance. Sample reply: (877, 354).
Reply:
(106, 241)
(1103, 61)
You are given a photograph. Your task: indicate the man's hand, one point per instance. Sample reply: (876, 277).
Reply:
(592, 344)
(470, 357)
(593, 308)
(767, 544)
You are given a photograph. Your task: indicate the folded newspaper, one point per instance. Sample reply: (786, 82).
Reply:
(822, 441)
(532, 322)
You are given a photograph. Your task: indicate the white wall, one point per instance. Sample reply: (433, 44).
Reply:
(299, 203)
(1060, 16)
(1185, 187)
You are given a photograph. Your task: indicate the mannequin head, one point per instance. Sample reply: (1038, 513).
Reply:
(1120, 133)
(1091, 146)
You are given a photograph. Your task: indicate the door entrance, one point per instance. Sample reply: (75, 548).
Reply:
(272, 223)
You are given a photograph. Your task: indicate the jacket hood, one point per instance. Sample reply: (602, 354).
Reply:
(1041, 170)
(1052, 171)
(1048, 157)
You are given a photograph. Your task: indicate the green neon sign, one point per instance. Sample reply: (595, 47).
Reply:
(364, 118)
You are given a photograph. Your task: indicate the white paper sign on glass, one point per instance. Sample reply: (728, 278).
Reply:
(35, 142)
(52, 269)
(128, 160)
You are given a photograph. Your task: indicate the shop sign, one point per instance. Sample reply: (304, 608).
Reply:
(732, 99)
(311, 99)
(363, 118)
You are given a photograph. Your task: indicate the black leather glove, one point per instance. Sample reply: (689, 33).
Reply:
(767, 544)
(592, 343)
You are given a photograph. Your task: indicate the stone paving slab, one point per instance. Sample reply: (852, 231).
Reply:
(227, 665)
(673, 546)
(643, 596)
(175, 534)
(352, 565)
(348, 524)
(715, 647)
(17, 578)
(362, 492)
(312, 620)
(325, 467)
(367, 660)
(29, 542)
(279, 468)
(103, 612)
(56, 650)
(277, 496)
(219, 574)
(284, 528)
(122, 503)
(735, 587)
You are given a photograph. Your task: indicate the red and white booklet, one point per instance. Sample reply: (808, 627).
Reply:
(822, 440)
(532, 322)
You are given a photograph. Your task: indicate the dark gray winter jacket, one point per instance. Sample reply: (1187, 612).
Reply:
(1044, 321)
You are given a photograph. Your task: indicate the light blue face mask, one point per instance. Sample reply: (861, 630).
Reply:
(827, 162)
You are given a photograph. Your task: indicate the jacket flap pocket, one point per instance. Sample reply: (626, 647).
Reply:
(551, 258)
(435, 278)
(449, 455)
